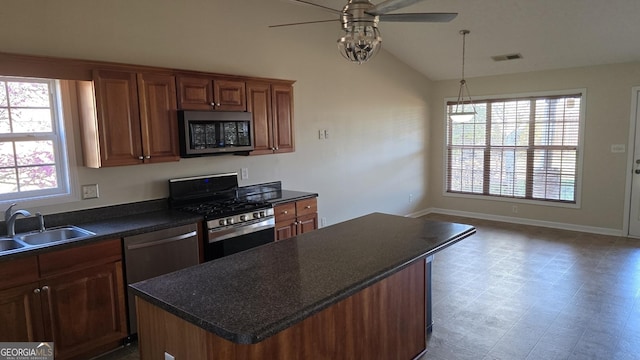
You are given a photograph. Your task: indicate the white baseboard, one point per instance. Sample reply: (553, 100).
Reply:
(523, 221)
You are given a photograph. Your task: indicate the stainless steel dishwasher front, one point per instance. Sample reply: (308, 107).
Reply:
(156, 253)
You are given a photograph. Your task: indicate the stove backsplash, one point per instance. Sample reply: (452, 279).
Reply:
(247, 191)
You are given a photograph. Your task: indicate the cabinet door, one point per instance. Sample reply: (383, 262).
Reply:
(307, 223)
(259, 105)
(118, 118)
(85, 310)
(229, 95)
(158, 117)
(195, 93)
(286, 229)
(21, 314)
(282, 100)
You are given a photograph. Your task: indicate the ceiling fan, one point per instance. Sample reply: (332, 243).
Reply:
(360, 18)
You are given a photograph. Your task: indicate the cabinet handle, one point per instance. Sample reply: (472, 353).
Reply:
(308, 207)
(148, 157)
(140, 157)
(285, 212)
(277, 148)
(36, 291)
(45, 288)
(214, 104)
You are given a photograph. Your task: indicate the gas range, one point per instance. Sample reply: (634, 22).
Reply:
(230, 212)
(232, 224)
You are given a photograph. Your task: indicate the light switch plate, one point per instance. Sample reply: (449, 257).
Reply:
(90, 191)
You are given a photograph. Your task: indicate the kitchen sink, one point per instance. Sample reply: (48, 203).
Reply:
(9, 244)
(53, 235)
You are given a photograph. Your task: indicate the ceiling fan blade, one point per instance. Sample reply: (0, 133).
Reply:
(391, 5)
(419, 17)
(303, 23)
(309, 3)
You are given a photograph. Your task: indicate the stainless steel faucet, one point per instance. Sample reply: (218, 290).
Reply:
(10, 219)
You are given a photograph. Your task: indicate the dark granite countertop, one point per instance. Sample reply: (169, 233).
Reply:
(107, 223)
(249, 296)
(282, 196)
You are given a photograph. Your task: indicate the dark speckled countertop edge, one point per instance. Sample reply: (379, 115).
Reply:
(274, 328)
(110, 228)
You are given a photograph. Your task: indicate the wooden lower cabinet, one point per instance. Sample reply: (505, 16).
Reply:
(295, 218)
(81, 309)
(21, 314)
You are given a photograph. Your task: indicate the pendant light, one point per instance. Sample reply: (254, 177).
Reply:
(459, 114)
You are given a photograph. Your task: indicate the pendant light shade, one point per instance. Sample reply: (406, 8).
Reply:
(463, 113)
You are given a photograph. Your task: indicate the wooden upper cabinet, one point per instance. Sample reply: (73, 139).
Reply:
(207, 93)
(259, 105)
(118, 118)
(282, 97)
(229, 95)
(128, 118)
(272, 109)
(158, 114)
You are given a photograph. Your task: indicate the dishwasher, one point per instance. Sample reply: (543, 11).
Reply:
(157, 253)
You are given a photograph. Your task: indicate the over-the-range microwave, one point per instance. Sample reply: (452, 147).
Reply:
(205, 133)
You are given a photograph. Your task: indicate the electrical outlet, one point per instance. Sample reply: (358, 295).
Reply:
(323, 221)
(244, 174)
(326, 133)
(514, 209)
(321, 134)
(618, 148)
(90, 191)
(410, 198)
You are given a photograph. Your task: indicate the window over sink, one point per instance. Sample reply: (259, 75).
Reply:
(34, 161)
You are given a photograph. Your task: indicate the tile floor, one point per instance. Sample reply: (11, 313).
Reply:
(521, 292)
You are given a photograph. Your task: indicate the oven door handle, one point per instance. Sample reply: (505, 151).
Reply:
(223, 234)
(162, 241)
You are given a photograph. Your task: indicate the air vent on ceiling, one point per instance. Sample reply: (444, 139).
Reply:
(507, 57)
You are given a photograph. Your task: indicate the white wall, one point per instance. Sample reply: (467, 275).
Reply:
(608, 103)
(377, 114)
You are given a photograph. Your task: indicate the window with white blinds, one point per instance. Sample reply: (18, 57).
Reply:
(521, 147)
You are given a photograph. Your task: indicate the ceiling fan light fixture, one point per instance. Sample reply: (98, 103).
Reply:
(360, 43)
(459, 114)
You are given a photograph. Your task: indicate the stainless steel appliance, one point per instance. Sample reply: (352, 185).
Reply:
(232, 224)
(215, 132)
(157, 253)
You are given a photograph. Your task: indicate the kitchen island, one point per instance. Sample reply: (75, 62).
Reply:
(357, 289)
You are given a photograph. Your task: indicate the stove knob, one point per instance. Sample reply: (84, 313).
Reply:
(256, 215)
(222, 222)
(230, 221)
(243, 217)
(262, 214)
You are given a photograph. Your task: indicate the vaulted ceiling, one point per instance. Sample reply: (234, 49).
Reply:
(549, 34)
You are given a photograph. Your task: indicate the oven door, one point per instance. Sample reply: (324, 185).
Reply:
(227, 241)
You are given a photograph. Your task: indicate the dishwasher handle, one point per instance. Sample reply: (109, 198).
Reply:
(162, 241)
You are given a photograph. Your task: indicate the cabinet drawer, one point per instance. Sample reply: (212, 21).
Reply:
(285, 211)
(19, 271)
(83, 256)
(307, 206)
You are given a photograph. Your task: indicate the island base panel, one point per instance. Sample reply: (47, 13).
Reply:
(386, 320)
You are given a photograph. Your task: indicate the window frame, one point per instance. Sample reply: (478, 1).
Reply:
(516, 96)
(62, 124)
